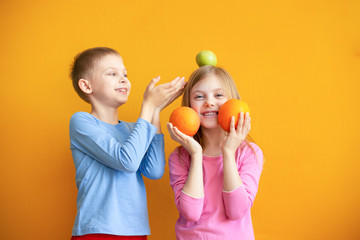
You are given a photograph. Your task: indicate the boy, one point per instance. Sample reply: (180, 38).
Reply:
(110, 156)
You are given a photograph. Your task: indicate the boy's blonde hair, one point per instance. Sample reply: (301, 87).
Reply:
(226, 82)
(83, 65)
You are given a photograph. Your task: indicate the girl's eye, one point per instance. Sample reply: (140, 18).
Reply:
(198, 97)
(112, 74)
(125, 75)
(219, 95)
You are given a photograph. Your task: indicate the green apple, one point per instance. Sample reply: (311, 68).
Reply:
(206, 58)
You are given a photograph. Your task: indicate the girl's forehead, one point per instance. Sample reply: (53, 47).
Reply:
(208, 83)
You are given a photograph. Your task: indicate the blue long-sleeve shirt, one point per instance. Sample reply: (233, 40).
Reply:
(110, 161)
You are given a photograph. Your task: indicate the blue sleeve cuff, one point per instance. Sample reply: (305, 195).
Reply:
(143, 122)
(159, 137)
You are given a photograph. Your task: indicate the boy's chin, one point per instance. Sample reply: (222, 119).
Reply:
(120, 103)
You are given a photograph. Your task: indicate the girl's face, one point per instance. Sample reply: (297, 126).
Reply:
(206, 97)
(110, 84)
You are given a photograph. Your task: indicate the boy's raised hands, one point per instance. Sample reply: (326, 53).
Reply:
(158, 97)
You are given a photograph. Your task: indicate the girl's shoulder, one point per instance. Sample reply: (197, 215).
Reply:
(250, 151)
(180, 155)
(179, 152)
(249, 148)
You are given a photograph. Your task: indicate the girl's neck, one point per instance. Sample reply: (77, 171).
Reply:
(213, 140)
(108, 115)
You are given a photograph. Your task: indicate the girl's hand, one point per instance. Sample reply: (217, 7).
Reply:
(162, 95)
(189, 143)
(236, 137)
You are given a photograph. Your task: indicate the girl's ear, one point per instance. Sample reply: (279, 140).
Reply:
(85, 86)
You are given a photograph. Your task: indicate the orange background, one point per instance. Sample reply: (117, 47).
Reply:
(296, 63)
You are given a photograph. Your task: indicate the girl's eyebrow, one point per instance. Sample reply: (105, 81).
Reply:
(214, 90)
(196, 91)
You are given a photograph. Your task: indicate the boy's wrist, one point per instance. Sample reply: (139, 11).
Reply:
(147, 112)
(157, 111)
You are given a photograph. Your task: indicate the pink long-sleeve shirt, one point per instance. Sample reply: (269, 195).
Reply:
(219, 214)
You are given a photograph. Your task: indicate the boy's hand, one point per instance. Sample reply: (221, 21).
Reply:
(163, 94)
(174, 95)
(158, 97)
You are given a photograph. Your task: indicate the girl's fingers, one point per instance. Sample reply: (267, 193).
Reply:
(181, 135)
(240, 125)
(169, 125)
(175, 133)
(247, 121)
(171, 130)
(232, 124)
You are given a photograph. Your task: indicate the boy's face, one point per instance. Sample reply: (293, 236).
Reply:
(110, 86)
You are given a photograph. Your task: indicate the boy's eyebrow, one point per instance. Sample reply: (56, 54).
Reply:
(115, 68)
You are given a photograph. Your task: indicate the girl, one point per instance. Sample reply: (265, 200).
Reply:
(214, 175)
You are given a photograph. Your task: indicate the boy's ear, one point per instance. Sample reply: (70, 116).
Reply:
(85, 86)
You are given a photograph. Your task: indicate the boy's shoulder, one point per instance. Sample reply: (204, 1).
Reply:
(79, 119)
(81, 116)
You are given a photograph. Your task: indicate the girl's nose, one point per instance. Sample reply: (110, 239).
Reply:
(209, 102)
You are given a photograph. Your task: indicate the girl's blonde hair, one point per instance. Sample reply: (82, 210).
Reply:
(227, 83)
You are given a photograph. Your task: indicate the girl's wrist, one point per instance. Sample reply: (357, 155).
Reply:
(228, 152)
(196, 154)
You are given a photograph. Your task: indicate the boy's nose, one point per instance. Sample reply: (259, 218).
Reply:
(123, 79)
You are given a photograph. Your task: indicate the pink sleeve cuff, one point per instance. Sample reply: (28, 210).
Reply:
(191, 208)
(236, 202)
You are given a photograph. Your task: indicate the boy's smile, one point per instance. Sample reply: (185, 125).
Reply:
(122, 90)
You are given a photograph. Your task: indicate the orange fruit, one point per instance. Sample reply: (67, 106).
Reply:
(186, 120)
(230, 108)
